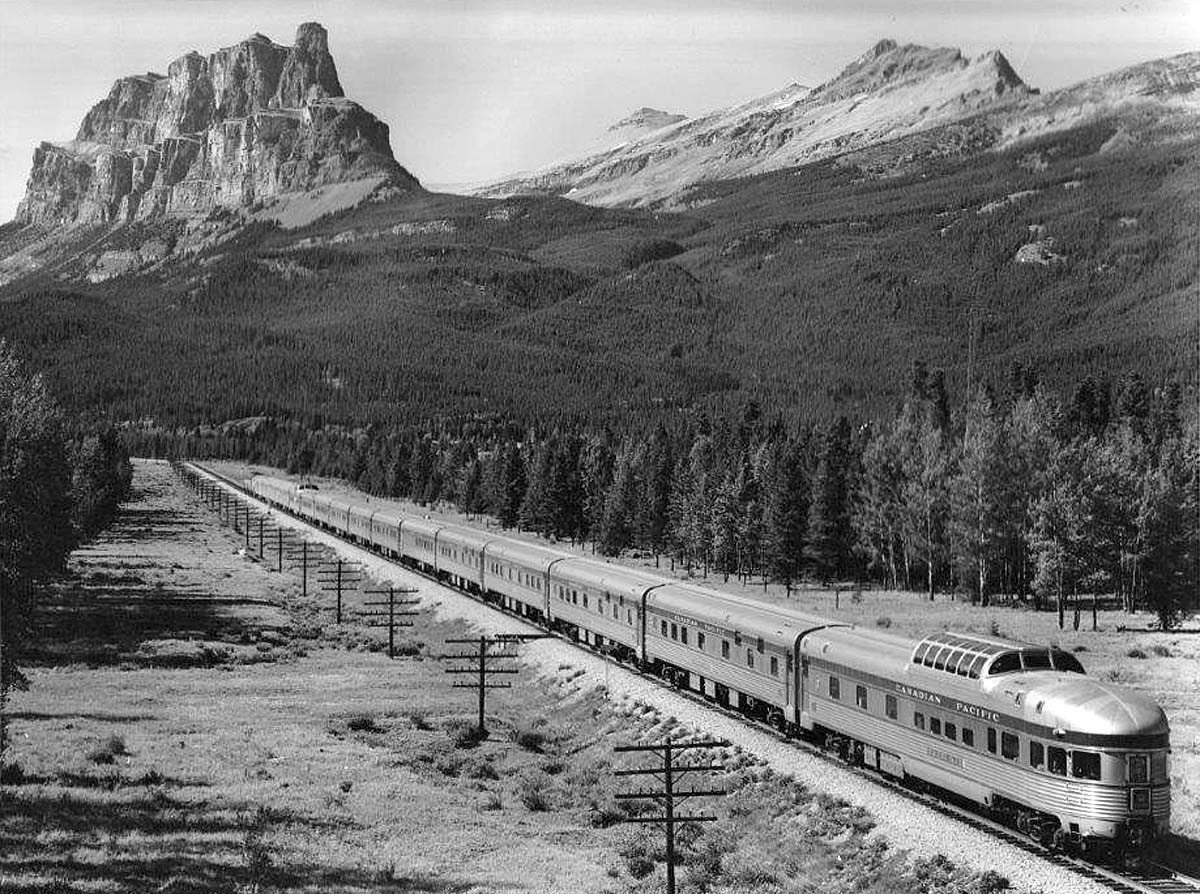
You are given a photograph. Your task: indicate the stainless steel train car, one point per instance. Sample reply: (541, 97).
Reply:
(600, 604)
(1019, 729)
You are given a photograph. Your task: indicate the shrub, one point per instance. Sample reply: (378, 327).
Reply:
(529, 738)
(362, 723)
(491, 801)
(602, 814)
(11, 774)
(648, 250)
(1135, 653)
(883, 621)
(108, 751)
(419, 720)
(992, 882)
(1161, 651)
(994, 628)
(533, 793)
(465, 734)
(481, 770)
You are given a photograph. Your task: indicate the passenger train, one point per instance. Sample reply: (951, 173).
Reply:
(1017, 729)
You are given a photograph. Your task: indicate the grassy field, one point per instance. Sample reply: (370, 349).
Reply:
(194, 725)
(1124, 648)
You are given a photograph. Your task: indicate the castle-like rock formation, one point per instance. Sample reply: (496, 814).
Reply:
(242, 125)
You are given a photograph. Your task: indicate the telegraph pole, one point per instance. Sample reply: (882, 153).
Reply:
(336, 577)
(392, 614)
(483, 669)
(669, 796)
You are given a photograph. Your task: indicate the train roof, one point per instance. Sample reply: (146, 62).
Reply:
(422, 525)
(862, 648)
(530, 554)
(472, 537)
(1071, 703)
(736, 616)
(606, 576)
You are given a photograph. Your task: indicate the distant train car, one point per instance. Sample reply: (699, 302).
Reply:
(385, 531)
(739, 653)
(418, 542)
(460, 556)
(516, 574)
(358, 522)
(600, 603)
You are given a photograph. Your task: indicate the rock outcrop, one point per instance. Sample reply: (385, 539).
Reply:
(241, 126)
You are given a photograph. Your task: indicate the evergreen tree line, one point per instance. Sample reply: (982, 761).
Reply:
(60, 483)
(1015, 494)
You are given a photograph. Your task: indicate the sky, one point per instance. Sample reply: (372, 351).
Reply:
(474, 90)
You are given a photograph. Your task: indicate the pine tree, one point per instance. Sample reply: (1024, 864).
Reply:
(827, 550)
(620, 508)
(877, 515)
(1169, 524)
(786, 513)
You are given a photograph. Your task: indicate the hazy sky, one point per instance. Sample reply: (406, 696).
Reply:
(475, 89)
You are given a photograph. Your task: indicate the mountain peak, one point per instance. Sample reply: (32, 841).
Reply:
(647, 119)
(239, 126)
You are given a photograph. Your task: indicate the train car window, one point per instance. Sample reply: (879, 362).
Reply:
(1037, 754)
(725, 648)
(1065, 661)
(835, 687)
(991, 739)
(953, 659)
(1056, 760)
(700, 641)
(1138, 771)
(1036, 660)
(860, 696)
(1005, 664)
(918, 720)
(616, 613)
(951, 731)
(749, 658)
(922, 651)
(935, 725)
(629, 616)
(968, 736)
(889, 706)
(1085, 765)
(774, 666)
(976, 666)
(674, 632)
(761, 645)
(664, 628)
(585, 600)
(683, 635)
(1010, 746)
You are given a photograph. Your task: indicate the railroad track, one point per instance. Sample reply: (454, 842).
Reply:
(1157, 878)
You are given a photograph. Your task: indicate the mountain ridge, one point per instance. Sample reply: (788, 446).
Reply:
(890, 92)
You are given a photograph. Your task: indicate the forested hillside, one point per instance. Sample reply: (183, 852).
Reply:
(809, 291)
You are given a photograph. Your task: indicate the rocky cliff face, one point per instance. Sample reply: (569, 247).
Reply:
(243, 125)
